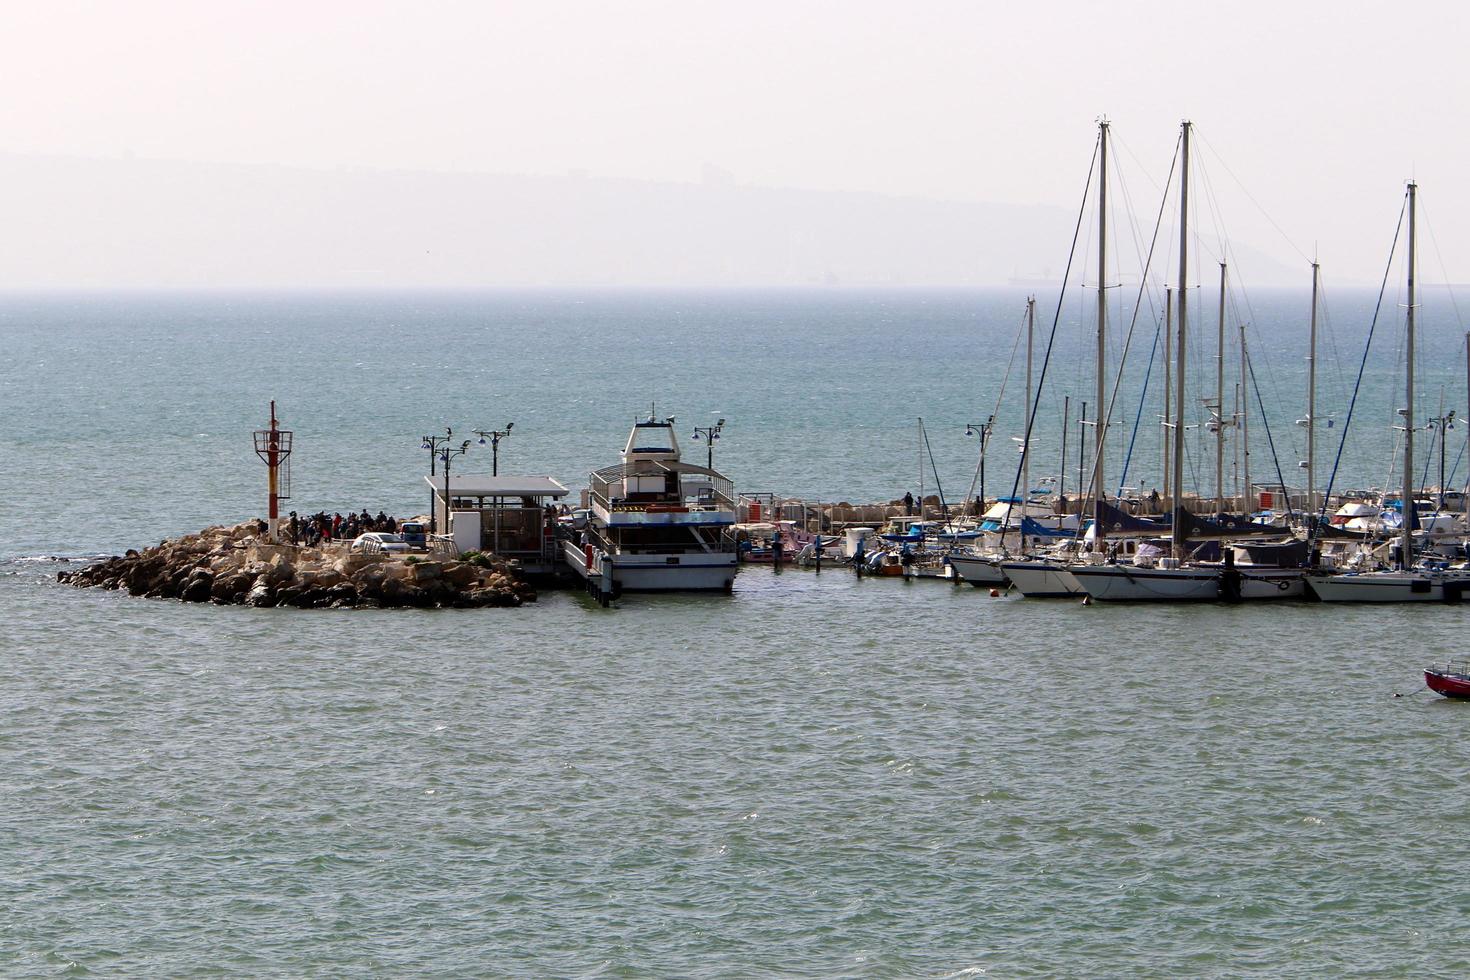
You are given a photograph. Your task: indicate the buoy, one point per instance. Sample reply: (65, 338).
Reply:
(995, 593)
(1087, 600)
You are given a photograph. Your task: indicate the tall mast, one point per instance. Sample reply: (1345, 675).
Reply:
(1465, 500)
(921, 469)
(1245, 432)
(1407, 548)
(1067, 424)
(1082, 488)
(1177, 536)
(1102, 325)
(1168, 391)
(1312, 399)
(1220, 402)
(1026, 445)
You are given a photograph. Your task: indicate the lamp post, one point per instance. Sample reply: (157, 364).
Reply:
(447, 453)
(710, 433)
(982, 429)
(432, 444)
(494, 435)
(1442, 423)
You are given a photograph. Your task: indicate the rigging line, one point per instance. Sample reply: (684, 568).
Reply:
(943, 507)
(1250, 365)
(1264, 213)
(1424, 479)
(1137, 242)
(1239, 294)
(1212, 203)
(1449, 481)
(1273, 379)
(1330, 328)
(1119, 141)
(1005, 379)
(1106, 420)
(1442, 270)
(1051, 339)
(1362, 364)
(1128, 459)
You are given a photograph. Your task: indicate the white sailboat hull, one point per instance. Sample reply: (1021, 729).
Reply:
(1041, 579)
(980, 572)
(1130, 583)
(1389, 586)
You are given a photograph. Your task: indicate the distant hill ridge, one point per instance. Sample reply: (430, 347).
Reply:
(73, 221)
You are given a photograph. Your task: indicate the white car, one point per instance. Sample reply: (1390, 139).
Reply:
(375, 542)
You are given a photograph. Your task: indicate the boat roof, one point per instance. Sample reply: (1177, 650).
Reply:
(652, 439)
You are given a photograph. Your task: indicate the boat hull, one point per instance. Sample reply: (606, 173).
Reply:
(1279, 583)
(979, 572)
(1130, 583)
(1042, 579)
(694, 572)
(1450, 685)
(1388, 587)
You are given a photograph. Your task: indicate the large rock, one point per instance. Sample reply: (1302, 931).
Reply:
(426, 571)
(342, 596)
(261, 596)
(460, 574)
(230, 587)
(196, 587)
(281, 570)
(350, 565)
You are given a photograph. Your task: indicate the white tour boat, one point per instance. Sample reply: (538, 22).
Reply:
(655, 523)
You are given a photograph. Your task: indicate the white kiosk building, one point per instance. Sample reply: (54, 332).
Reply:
(509, 516)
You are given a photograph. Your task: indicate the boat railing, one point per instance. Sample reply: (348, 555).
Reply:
(699, 489)
(1454, 667)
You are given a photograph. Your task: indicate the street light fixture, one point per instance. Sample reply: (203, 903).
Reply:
(1442, 423)
(983, 430)
(494, 435)
(710, 433)
(447, 454)
(432, 444)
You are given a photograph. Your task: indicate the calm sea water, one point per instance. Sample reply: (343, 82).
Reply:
(814, 776)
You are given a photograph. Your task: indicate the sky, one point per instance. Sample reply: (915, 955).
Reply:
(1310, 115)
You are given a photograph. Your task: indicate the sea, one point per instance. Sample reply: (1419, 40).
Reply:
(813, 776)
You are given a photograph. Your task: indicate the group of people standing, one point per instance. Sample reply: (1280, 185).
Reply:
(321, 526)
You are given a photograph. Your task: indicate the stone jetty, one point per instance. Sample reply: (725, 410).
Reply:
(235, 566)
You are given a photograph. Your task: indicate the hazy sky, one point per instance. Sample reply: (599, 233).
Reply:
(1321, 110)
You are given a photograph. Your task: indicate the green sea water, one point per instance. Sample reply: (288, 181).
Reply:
(814, 776)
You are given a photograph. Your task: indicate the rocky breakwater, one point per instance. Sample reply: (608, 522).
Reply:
(231, 565)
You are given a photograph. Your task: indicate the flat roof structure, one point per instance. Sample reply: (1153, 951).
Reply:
(498, 486)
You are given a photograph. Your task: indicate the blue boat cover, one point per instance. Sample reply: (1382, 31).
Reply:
(1033, 529)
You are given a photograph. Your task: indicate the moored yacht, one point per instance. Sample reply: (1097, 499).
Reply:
(655, 523)
(1410, 581)
(1423, 584)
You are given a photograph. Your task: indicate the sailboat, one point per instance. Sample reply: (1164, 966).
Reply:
(1409, 582)
(981, 566)
(1048, 575)
(1169, 578)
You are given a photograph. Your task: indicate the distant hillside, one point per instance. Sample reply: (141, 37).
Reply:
(89, 222)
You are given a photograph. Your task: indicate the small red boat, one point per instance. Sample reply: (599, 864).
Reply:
(1450, 679)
